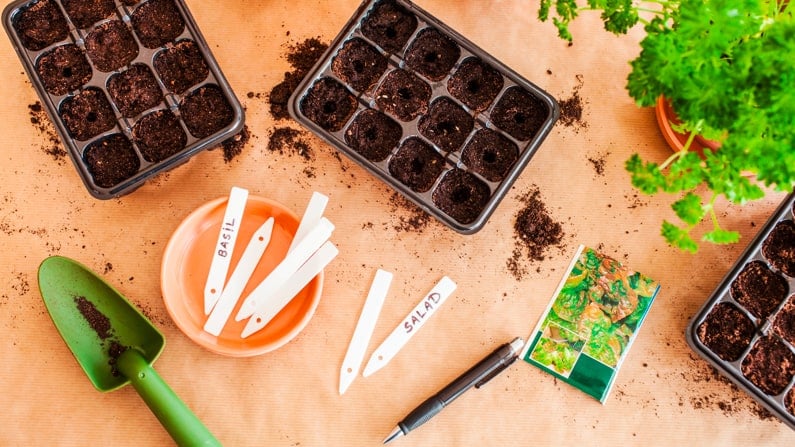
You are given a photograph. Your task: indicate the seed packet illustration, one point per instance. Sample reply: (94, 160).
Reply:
(590, 324)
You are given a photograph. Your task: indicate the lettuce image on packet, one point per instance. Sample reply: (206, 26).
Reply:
(591, 322)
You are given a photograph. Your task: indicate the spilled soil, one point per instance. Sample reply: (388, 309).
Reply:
(536, 232)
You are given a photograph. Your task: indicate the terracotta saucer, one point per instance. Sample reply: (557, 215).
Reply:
(186, 263)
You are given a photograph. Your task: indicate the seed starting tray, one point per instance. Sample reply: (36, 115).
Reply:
(425, 110)
(116, 159)
(758, 325)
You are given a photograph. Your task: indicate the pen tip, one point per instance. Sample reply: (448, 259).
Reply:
(396, 433)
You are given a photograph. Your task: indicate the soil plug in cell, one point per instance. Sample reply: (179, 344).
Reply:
(111, 46)
(475, 83)
(770, 365)
(490, 154)
(779, 247)
(746, 329)
(111, 160)
(389, 25)
(359, 64)
(373, 134)
(40, 25)
(181, 66)
(759, 289)
(329, 104)
(416, 164)
(87, 114)
(403, 95)
(206, 111)
(446, 124)
(134, 90)
(159, 135)
(138, 69)
(85, 13)
(727, 332)
(64, 69)
(418, 94)
(157, 22)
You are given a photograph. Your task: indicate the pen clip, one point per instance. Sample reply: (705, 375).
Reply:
(496, 371)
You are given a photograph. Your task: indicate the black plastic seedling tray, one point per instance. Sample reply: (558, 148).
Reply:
(130, 85)
(425, 110)
(746, 329)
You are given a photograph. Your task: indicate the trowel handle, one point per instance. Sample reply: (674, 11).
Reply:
(176, 417)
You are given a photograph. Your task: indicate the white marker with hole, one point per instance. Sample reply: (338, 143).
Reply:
(240, 276)
(310, 219)
(415, 320)
(286, 268)
(222, 254)
(364, 328)
(303, 276)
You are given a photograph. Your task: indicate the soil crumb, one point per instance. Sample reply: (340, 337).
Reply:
(571, 108)
(535, 232)
(411, 218)
(286, 140)
(301, 56)
(96, 319)
(234, 145)
(598, 162)
(42, 123)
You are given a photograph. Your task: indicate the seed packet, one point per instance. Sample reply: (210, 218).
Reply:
(591, 322)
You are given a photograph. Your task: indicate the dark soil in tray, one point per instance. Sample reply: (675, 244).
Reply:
(85, 13)
(111, 46)
(373, 135)
(519, 113)
(779, 247)
(432, 54)
(206, 111)
(389, 25)
(447, 124)
(159, 135)
(475, 83)
(64, 69)
(416, 164)
(759, 289)
(181, 66)
(111, 160)
(784, 324)
(490, 154)
(87, 114)
(40, 25)
(461, 195)
(134, 90)
(403, 95)
(359, 64)
(789, 402)
(770, 365)
(726, 331)
(328, 104)
(157, 22)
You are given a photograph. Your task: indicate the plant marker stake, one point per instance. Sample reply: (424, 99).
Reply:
(312, 214)
(240, 276)
(222, 255)
(276, 302)
(421, 313)
(364, 328)
(282, 272)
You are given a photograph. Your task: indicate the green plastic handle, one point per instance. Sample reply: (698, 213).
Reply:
(180, 422)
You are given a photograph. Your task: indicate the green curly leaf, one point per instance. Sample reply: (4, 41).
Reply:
(721, 236)
(689, 209)
(678, 237)
(647, 177)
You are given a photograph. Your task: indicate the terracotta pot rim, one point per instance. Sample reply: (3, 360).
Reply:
(665, 116)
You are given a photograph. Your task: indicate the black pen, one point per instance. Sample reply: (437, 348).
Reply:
(477, 376)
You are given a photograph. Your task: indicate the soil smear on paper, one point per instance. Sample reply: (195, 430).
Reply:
(571, 108)
(52, 145)
(233, 146)
(100, 323)
(410, 218)
(536, 232)
(302, 56)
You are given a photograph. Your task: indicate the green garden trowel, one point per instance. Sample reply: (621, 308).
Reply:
(114, 343)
